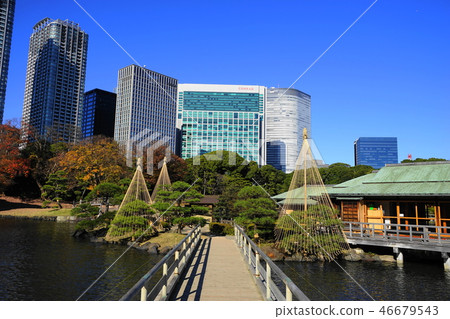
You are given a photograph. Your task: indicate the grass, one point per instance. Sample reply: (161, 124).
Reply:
(167, 239)
(37, 212)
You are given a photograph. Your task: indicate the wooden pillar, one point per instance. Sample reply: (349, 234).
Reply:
(437, 214)
(398, 213)
(417, 214)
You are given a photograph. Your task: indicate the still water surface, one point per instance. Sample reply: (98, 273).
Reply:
(39, 260)
(380, 281)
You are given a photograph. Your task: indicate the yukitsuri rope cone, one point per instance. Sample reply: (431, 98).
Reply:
(163, 181)
(308, 224)
(134, 215)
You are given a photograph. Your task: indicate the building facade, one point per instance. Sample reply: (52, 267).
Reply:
(376, 151)
(6, 27)
(146, 107)
(54, 86)
(288, 112)
(222, 117)
(99, 112)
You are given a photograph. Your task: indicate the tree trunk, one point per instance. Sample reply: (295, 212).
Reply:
(41, 189)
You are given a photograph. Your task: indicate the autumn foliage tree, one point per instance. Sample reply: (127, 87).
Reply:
(92, 162)
(12, 164)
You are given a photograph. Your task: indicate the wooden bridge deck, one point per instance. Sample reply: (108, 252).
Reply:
(217, 272)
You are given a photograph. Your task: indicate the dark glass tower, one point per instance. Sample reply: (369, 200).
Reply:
(6, 27)
(54, 87)
(376, 151)
(99, 111)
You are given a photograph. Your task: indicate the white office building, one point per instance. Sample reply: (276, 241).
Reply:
(145, 107)
(215, 117)
(288, 111)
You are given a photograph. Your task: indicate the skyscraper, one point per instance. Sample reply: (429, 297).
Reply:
(376, 151)
(99, 112)
(222, 117)
(6, 27)
(54, 87)
(146, 106)
(288, 111)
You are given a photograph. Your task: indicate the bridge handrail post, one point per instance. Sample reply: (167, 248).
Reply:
(268, 280)
(249, 253)
(244, 246)
(143, 294)
(351, 230)
(177, 261)
(288, 293)
(184, 255)
(410, 234)
(384, 231)
(257, 274)
(438, 229)
(361, 230)
(164, 287)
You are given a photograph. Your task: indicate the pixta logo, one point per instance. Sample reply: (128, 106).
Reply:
(147, 141)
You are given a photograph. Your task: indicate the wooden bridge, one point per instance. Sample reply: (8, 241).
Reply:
(230, 268)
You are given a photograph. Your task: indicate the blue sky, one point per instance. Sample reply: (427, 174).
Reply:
(388, 76)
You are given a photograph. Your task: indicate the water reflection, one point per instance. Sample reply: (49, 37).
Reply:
(382, 281)
(39, 260)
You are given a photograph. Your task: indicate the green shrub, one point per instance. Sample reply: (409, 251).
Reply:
(45, 203)
(84, 210)
(220, 229)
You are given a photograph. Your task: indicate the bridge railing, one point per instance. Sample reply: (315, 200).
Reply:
(264, 274)
(398, 232)
(172, 266)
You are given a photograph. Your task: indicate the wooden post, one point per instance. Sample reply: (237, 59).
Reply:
(184, 255)
(268, 280)
(288, 293)
(249, 253)
(177, 261)
(143, 294)
(257, 264)
(417, 215)
(164, 288)
(398, 213)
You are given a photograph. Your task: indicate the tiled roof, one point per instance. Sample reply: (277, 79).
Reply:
(412, 179)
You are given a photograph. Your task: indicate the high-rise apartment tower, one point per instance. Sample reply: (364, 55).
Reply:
(54, 87)
(6, 27)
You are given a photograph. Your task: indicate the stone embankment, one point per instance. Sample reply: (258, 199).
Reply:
(356, 254)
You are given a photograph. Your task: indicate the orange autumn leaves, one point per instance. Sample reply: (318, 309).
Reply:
(93, 162)
(12, 164)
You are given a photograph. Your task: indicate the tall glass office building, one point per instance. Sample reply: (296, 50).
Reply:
(288, 112)
(6, 27)
(99, 112)
(146, 106)
(222, 117)
(54, 86)
(376, 151)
